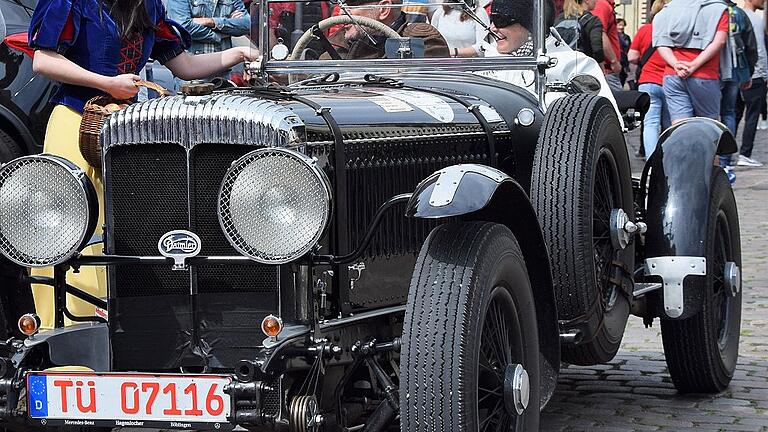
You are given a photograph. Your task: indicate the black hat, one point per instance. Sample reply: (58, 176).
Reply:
(512, 12)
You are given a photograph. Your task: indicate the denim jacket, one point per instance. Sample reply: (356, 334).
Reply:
(207, 39)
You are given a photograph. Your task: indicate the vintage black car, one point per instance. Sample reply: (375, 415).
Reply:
(351, 244)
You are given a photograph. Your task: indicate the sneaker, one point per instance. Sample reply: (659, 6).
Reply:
(730, 174)
(748, 162)
(762, 125)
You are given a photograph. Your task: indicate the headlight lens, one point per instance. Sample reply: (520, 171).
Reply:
(274, 205)
(48, 210)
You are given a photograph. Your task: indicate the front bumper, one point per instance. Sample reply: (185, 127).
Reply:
(252, 403)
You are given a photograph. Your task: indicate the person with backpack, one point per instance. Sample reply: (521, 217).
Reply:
(741, 48)
(650, 77)
(580, 29)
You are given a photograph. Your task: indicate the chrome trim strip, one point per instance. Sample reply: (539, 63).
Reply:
(400, 66)
(405, 138)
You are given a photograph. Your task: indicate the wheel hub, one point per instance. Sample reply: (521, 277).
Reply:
(732, 278)
(622, 229)
(517, 389)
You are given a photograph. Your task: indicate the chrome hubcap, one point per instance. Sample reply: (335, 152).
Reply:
(517, 389)
(732, 278)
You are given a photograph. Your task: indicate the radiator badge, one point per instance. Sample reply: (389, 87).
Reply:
(179, 245)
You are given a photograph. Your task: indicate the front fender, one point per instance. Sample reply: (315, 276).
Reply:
(77, 345)
(680, 181)
(477, 192)
(454, 191)
(681, 172)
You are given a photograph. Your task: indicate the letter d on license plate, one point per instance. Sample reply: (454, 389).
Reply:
(87, 399)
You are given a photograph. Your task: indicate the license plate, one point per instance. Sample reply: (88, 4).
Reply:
(139, 400)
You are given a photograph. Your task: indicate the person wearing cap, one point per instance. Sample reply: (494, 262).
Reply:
(353, 43)
(512, 22)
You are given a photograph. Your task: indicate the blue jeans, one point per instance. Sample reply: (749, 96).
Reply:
(730, 91)
(692, 97)
(656, 119)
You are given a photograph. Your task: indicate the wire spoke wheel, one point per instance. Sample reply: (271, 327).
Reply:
(470, 358)
(702, 349)
(607, 190)
(501, 345)
(581, 174)
(721, 298)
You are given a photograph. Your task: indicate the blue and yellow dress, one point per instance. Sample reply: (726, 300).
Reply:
(85, 33)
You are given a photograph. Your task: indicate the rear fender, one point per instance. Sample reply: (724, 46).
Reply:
(478, 192)
(678, 203)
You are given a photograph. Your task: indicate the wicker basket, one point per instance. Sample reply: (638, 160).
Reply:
(94, 116)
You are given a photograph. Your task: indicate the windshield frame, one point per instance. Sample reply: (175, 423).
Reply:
(319, 67)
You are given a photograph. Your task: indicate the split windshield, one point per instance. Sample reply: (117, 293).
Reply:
(402, 32)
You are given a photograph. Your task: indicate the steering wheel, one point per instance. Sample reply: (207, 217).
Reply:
(327, 23)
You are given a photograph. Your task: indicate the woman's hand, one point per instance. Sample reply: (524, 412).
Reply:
(246, 53)
(122, 86)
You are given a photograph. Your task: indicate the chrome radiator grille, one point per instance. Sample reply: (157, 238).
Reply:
(225, 118)
(164, 162)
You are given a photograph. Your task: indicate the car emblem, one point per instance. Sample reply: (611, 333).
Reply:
(179, 245)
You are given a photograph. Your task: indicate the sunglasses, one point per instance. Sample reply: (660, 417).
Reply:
(501, 20)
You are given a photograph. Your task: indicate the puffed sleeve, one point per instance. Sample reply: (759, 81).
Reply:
(55, 25)
(171, 39)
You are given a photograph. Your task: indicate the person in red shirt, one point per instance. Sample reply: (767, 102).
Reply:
(611, 46)
(650, 79)
(692, 75)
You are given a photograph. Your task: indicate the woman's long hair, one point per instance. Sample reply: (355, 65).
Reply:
(131, 16)
(573, 8)
(448, 8)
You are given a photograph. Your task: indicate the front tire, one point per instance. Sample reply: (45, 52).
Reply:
(470, 319)
(701, 351)
(581, 173)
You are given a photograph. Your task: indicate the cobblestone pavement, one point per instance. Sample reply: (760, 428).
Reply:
(634, 391)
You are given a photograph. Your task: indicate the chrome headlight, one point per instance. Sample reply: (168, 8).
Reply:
(274, 205)
(48, 210)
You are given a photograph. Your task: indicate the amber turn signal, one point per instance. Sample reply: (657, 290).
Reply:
(29, 324)
(272, 326)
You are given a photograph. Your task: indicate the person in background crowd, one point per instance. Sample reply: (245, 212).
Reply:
(512, 21)
(351, 43)
(462, 33)
(611, 46)
(754, 92)
(650, 77)
(211, 23)
(96, 48)
(689, 36)
(742, 50)
(624, 43)
(577, 18)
